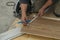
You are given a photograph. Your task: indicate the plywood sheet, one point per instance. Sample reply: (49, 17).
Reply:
(44, 27)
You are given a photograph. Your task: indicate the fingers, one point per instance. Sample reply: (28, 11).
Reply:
(24, 24)
(41, 12)
(24, 21)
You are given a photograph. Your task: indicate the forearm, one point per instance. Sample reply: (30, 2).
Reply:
(24, 4)
(23, 9)
(48, 3)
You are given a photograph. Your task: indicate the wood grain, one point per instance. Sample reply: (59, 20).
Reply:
(44, 27)
(32, 37)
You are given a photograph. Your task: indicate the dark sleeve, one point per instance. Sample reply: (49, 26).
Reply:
(55, 1)
(24, 1)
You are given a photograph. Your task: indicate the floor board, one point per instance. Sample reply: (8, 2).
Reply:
(32, 37)
(47, 29)
(44, 27)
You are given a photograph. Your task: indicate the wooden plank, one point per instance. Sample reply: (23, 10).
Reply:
(51, 16)
(44, 27)
(32, 37)
(28, 36)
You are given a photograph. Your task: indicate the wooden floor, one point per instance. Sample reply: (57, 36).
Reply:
(32, 37)
(46, 28)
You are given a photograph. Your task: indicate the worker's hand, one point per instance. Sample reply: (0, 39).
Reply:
(24, 18)
(41, 12)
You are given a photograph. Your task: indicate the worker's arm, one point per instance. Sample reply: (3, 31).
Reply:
(47, 4)
(24, 4)
(24, 9)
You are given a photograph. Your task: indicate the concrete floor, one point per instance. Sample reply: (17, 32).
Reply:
(6, 14)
